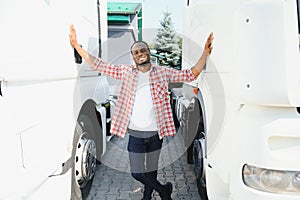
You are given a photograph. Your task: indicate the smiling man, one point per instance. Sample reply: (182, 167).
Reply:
(141, 55)
(143, 109)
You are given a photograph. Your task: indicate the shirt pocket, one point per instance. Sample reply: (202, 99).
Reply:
(161, 89)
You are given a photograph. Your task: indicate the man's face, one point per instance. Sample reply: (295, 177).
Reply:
(140, 53)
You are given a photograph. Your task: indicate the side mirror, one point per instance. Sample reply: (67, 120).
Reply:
(1, 88)
(78, 58)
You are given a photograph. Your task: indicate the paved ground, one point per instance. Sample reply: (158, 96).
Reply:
(113, 180)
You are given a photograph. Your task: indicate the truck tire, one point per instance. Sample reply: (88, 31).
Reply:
(173, 107)
(84, 158)
(195, 126)
(199, 167)
(189, 154)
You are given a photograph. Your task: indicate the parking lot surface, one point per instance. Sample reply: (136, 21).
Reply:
(113, 179)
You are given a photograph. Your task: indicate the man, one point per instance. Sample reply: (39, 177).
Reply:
(143, 109)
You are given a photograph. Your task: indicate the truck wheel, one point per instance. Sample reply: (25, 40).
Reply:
(199, 167)
(189, 155)
(84, 154)
(173, 108)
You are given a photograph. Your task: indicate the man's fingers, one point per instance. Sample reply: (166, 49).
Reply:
(210, 37)
(72, 35)
(208, 44)
(72, 29)
(209, 40)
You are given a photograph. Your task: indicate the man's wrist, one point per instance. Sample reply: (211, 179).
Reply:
(76, 46)
(205, 53)
(195, 71)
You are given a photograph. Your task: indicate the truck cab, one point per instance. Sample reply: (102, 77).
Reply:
(241, 116)
(55, 111)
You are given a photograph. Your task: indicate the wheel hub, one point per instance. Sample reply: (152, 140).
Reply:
(85, 159)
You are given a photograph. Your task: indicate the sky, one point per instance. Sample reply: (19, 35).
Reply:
(153, 14)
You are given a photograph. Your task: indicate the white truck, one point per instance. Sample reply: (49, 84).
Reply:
(54, 113)
(241, 117)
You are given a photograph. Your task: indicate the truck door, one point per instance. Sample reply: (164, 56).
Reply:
(36, 69)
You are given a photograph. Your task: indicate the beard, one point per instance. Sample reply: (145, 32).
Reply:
(144, 63)
(142, 60)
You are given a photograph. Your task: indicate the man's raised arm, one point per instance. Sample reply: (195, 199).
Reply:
(206, 52)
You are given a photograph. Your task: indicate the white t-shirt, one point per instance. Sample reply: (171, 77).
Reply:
(143, 114)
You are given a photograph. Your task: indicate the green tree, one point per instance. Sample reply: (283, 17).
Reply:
(167, 43)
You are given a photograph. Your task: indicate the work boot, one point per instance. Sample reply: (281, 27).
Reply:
(166, 192)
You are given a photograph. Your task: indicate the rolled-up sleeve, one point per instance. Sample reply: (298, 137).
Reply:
(185, 75)
(112, 70)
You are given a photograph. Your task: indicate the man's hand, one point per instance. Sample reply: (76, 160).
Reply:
(208, 45)
(83, 53)
(72, 36)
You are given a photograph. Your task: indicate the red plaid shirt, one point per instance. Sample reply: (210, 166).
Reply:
(160, 76)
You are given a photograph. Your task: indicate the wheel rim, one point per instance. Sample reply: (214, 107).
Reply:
(85, 160)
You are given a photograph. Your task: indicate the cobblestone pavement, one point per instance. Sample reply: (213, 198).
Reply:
(113, 180)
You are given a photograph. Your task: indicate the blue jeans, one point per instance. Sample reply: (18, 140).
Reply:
(144, 155)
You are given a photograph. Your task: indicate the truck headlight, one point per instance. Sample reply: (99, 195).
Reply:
(269, 180)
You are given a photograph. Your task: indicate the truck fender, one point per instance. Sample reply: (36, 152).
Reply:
(102, 112)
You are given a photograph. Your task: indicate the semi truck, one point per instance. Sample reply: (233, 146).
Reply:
(241, 117)
(55, 111)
